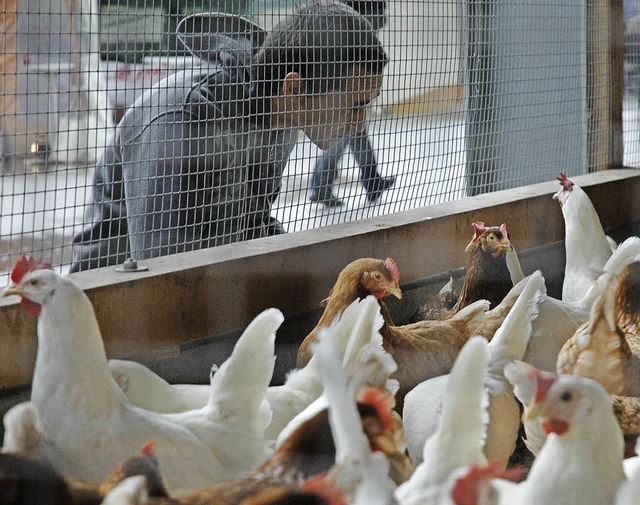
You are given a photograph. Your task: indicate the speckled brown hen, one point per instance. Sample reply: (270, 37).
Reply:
(438, 306)
(607, 347)
(421, 350)
(627, 411)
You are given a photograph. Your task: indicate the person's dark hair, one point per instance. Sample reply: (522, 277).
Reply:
(321, 41)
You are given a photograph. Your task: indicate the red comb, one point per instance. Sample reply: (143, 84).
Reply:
(544, 381)
(567, 184)
(147, 448)
(321, 484)
(478, 229)
(26, 265)
(393, 269)
(383, 402)
(465, 489)
(503, 230)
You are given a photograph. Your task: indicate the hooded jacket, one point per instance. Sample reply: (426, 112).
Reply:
(193, 163)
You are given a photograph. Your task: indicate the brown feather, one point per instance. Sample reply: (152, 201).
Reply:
(421, 350)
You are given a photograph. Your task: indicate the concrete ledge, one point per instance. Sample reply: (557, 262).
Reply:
(214, 292)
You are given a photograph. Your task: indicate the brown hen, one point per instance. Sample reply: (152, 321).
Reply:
(421, 350)
(487, 275)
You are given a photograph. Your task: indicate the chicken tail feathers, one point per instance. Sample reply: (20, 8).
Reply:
(239, 385)
(349, 439)
(464, 411)
(511, 339)
(625, 253)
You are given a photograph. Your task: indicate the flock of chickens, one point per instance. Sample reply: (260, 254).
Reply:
(431, 412)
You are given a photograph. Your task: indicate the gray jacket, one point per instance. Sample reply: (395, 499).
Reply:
(191, 165)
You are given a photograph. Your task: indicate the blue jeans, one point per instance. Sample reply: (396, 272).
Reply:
(326, 169)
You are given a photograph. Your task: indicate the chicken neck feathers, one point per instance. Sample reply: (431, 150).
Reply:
(487, 276)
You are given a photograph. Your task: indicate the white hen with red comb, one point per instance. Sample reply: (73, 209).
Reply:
(580, 463)
(586, 245)
(88, 424)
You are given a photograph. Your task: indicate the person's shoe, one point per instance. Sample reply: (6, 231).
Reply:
(379, 186)
(329, 200)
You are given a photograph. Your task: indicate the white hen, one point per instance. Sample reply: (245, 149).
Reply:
(424, 402)
(459, 437)
(581, 460)
(89, 426)
(586, 245)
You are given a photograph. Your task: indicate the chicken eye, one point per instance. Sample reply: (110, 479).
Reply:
(34, 282)
(377, 276)
(566, 396)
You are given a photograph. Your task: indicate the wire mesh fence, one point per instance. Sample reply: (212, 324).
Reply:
(142, 128)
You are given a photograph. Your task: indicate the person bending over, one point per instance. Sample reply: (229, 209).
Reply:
(197, 161)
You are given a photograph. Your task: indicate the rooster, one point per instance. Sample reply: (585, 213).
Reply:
(88, 424)
(586, 245)
(581, 460)
(421, 350)
(424, 402)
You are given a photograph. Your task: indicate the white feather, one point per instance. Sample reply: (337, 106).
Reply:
(458, 440)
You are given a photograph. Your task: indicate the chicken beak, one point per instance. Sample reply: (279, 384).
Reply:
(394, 289)
(14, 289)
